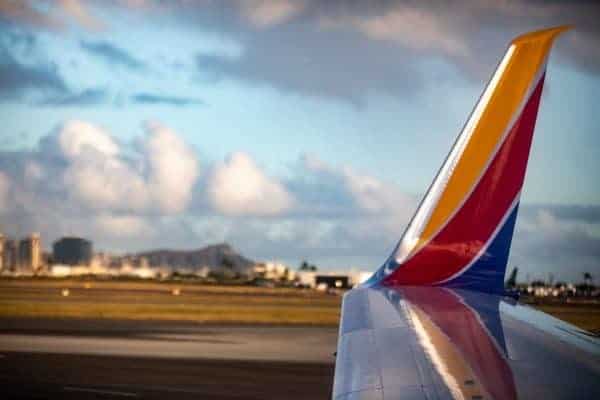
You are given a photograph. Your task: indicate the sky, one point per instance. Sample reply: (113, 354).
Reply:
(291, 129)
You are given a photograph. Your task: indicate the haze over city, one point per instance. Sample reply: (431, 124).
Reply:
(291, 129)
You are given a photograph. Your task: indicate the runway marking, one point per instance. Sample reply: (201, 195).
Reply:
(111, 392)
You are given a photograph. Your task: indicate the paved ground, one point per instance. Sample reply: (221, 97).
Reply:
(121, 359)
(43, 376)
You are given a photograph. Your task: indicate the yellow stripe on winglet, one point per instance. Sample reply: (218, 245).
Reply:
(529, 52)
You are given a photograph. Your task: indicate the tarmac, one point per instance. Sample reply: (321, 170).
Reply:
(146, 359)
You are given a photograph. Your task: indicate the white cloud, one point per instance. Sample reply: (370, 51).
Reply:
(545, 242)
(107, 183)
(239, 187)
(266, 13)
(359, 211)
(137, 197)
(546, 223)
(96, 175)
(173, 168)
(123, 226)
(159, 178)
(370, 194)
(78, 138)
(419, 29)
(82, 181)
(373, 195)
(33, 172)
(79, 12)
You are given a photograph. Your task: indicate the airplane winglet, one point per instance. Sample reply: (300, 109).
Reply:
(548, 34)
(460, 235)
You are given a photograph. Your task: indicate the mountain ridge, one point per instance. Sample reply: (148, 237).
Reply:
(221, 256)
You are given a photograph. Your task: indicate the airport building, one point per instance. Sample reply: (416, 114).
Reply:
(332, 279)
(72, 251)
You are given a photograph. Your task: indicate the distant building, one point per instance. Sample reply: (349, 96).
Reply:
(2, 239)
(60, 271)
(273, 271)
(30, 254)
(306, 278)
(331, 279)
(100, 264)
(9, 256)
(72, 251)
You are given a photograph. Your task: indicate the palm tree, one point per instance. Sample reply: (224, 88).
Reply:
(304, 266)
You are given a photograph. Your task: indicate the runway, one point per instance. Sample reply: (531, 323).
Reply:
(128, 359)
(42, 376)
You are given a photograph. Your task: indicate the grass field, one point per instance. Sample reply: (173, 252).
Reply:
(202, 303)
(156, 301)
(583, 315)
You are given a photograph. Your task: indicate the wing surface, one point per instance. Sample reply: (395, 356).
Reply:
(445, 343)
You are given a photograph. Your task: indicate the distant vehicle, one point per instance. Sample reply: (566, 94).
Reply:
(434, 322)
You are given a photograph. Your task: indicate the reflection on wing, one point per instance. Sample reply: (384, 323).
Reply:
(469, 358)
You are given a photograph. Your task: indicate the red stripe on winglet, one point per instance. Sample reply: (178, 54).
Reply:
(463, 237)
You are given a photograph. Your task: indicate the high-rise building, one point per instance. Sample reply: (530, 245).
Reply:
(2, 239)
(72, 251)
(30, 253)
(9, 259)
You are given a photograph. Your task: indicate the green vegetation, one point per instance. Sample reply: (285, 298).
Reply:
(305, 266)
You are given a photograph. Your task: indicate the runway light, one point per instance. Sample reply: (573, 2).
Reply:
(65, 292)
(176, 292)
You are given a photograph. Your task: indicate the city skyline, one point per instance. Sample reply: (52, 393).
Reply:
(22, 254)
(292, 130)
(75, 257)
